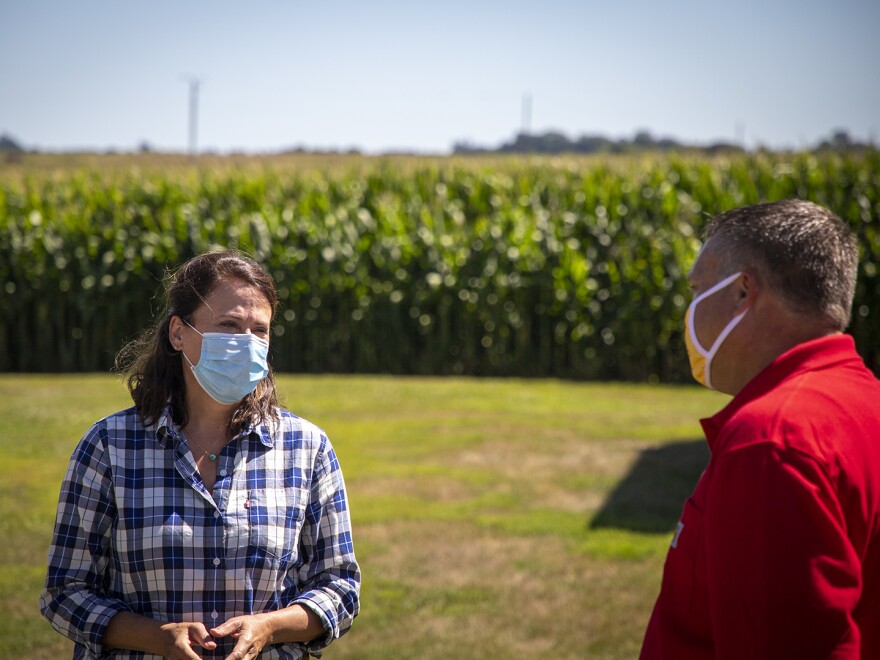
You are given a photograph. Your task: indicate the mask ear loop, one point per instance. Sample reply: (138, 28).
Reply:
(727, 330)
(191, 328)
(191, 365)
(708, 355)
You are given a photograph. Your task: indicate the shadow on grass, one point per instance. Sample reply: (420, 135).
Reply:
(651, 496)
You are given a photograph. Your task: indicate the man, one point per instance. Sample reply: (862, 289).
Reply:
(777, 553)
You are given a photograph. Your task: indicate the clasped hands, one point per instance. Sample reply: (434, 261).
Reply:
(252, 633)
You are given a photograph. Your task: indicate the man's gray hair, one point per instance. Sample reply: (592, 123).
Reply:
(804, 252)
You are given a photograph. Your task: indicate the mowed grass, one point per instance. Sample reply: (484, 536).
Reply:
(492, 518)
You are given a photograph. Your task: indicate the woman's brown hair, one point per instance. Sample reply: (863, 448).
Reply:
(153, 369)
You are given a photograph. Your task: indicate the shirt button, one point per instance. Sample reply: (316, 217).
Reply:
(216, 561)
(215, 614)
(216, 514)
(222, 473)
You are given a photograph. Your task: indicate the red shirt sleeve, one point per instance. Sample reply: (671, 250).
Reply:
(783, 577)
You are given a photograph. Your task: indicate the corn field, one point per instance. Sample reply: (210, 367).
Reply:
(571, 268)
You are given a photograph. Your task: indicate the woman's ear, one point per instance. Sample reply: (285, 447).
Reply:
(175, 332)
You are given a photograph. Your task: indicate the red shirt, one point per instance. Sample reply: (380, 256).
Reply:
(777, 554)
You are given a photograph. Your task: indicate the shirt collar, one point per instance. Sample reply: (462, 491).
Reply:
(167, 432)
(812, 355)
(264, 432)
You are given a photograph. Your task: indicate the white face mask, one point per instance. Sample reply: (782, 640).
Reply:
(699, 357)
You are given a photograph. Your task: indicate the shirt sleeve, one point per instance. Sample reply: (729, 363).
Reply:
(72, 598)
(329, 576)
(784, 579)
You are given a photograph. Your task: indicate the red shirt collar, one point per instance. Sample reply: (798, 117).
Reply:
(810, 356)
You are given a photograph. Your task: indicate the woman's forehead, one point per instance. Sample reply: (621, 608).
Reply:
(233, 296)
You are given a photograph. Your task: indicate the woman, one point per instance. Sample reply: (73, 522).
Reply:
(205, 521)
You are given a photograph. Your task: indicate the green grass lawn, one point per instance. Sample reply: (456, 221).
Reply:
(492, 518)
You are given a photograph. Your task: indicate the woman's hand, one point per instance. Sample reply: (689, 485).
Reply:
(180, 638)
(252, 632)
(128, 630)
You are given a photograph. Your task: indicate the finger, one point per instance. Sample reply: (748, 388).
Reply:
(231, 627)
(186, 652)
(244, 650)
(200, 635)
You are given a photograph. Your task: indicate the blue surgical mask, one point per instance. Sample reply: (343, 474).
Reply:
(231, 365)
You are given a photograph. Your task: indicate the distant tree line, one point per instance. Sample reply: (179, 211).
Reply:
(8, 144)
(554, 142)
(551, 142)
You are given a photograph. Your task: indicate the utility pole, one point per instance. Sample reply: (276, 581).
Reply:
(739, 134)
(193, 113)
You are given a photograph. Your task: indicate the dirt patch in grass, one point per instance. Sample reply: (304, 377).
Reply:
(478, 593)
(567, 473)
(434, 488)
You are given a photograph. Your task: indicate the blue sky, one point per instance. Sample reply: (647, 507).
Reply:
(389, 75)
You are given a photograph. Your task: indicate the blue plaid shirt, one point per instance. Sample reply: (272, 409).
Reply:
(137, 531)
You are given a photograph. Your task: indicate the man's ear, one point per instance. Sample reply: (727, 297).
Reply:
(747, 291)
